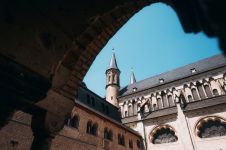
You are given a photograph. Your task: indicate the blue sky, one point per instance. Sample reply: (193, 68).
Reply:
(151, 42)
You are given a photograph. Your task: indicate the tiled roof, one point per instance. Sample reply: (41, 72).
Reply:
(185, 71)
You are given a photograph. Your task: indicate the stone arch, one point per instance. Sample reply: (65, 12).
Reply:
(210, 126)
(163, 134)
(77, 60)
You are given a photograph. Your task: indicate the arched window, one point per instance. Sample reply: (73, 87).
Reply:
(94, 129)
(164, 99)
(190, 98)
(88, 127)
(212, 127)
(130, 144)
(105, 133)
(110, 134)
(159, 101)
(113, 78)
(130, 110)
(171, 101)
(134, 107)
(208, 91)
(195, 94)
(215, 92)
(109, 79)
(73, 122)
(201, 91)
(126, 114)
(163, 135)
(121, 140)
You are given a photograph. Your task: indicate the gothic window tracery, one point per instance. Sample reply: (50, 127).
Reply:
(211, 127)
(163, 135)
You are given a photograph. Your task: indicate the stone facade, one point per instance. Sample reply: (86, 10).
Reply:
(183, 109)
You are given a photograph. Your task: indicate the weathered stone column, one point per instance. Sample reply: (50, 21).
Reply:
(45, 127)
(47, 124)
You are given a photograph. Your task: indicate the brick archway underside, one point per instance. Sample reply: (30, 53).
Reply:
(59, 40)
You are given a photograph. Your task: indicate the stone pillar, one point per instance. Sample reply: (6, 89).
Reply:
(141, 129)
(45, 127)
(183, 131)
(6, 113)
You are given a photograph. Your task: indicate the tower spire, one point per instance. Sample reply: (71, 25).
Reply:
(113, 63)
(132, 78)
(112, 81)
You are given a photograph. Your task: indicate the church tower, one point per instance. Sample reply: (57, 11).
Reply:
(112, 82)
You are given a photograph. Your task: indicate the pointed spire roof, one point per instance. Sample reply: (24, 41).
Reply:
(132, 78)
(113, 63)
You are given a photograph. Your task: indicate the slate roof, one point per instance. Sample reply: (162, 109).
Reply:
(113, 63)
(185, 71)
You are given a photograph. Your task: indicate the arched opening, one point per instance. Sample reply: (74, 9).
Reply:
(215, 92)
(190, 98)
(208, 91)
(171, 101)
(195, 94)
(88, 127)
(74, 122)
(159, 101)
(201, 90)
(94, 129)
(130, 108)
(134, 107)
(164, 134)
(211, 127)
(164, 99)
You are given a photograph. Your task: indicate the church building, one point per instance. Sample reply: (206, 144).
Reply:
(182, 109)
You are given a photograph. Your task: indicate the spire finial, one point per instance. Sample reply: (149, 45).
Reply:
(113, 63)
